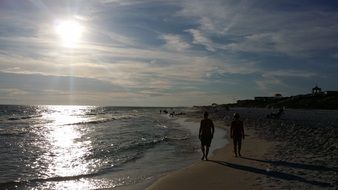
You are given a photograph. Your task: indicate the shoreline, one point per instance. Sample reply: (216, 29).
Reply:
(191, 124)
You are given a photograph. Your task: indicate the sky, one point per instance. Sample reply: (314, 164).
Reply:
(164, 53)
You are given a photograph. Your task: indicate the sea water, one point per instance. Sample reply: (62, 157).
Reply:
(89, 147)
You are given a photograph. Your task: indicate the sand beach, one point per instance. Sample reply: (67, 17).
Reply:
(297, 151)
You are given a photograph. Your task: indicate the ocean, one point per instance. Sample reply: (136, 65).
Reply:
(90, 147)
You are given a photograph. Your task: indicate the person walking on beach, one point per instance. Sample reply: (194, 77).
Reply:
(206, 133)
(237, 133)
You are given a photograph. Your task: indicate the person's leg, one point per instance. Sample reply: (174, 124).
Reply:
(239, 146)
(235, 144)
(202, 148)
(207, 152)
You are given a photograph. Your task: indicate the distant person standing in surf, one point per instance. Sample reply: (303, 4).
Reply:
(206, 133)
(237, 134)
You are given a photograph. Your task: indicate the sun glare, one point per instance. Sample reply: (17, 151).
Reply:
(70, 32)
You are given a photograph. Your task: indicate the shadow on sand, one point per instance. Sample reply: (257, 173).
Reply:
(294, 165)
(274, 174)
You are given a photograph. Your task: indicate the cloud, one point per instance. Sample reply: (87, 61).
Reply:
(254, 27)
(215, 16)
(272, 82)
(289, 73)
(175, 42)
(267, 84)
(263, 42)
(120, 65)
(12, 92)
(200, 39)
(305, 42)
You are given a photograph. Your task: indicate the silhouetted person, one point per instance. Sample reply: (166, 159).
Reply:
(237, 133)
(206, 133)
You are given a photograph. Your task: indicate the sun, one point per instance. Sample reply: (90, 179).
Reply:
(69, 32)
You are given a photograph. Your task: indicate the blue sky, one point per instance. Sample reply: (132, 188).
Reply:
(166, 53)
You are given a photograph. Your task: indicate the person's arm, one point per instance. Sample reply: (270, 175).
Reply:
(200, 131)
(212, 129)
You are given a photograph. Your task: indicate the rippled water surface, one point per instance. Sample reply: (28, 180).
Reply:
(85, 147)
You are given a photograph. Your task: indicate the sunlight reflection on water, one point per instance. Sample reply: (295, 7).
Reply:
(68, 155)
(79, 184)
(66, 151)
(63, 115)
